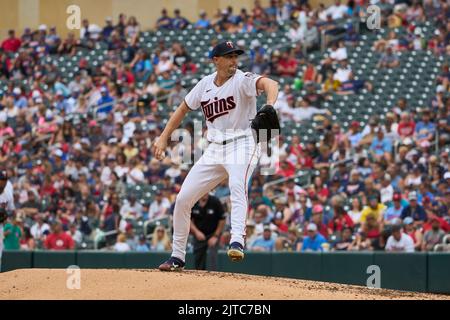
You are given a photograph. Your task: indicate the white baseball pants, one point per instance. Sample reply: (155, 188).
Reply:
(235, 160)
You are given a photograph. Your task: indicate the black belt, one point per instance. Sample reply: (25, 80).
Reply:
(230, 140)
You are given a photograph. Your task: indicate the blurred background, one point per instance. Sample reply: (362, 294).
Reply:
(362, 163)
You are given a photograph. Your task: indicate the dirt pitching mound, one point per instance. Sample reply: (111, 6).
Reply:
(153, 284)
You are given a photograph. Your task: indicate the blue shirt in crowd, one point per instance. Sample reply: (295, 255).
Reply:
(379, 147)
(313, 244)
(268, 245)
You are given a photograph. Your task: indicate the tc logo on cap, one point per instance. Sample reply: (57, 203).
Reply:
(230, 44)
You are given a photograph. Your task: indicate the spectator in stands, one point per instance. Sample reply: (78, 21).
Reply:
(142, 245)
(296, 32)
(353, 86)
(315, 99)
(371, 227)
(310, 74)
(164, 22)
(166, 82)
(121, 245)
(179, 22)
(374, 208)
(108, 28)
(395, 211)
(406, 126)
(27, 241)
(399, 241)
(389, 59)
(425, 129)
(53, 41)
(259, 65)
(314, 241)
(12, 233)
(381, 147)
(131, 209)
(361, 242)
(287, 65)
(351, 38)
(159, 207)
(415, 12)
(433, 236)
(132, 29)
(75, 234)
(265, 242)
(40, 229)
(341, 219)
(337, 10)
(12, 43)
(319, 220)
(57, 239)
(177, 94)
(401, 106)
(415, 233)
(160, 240)
(311, 35)
(355, 211)
(343, 72)
(354, 135)
(203, 22)
(305, 111)
(344, 242)
(414, 210)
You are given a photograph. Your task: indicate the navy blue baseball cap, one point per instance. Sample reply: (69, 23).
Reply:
(224, 48)
(3, 175)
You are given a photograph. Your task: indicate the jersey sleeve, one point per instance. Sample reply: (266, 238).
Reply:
(194, 96)
(248, 84)
(10, 192)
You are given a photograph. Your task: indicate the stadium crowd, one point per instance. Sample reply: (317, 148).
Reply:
(72, 149)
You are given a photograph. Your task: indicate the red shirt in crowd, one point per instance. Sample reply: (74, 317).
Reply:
(445, 226)
(323, 230)
(406, 129)
(60, 241)
(339, 223)
(285, 169)
(11, 45)
(287, 67)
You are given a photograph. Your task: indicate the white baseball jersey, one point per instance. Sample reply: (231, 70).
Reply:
(7, 197)
(227, 109)
(7, 202)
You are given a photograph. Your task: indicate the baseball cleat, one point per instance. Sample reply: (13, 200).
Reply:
(236, 252)
(173, 264)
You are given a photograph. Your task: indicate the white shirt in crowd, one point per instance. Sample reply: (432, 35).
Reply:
(406, 244)
(387, 194)
(339, 54)
(77, 236)
(296, 35)
(37, 231)
(306, 113)
(128, 131)
(135, 176)
(337, 12)
(131, 211)
(342, 74)
(121, 170)
(156, 208)
(121, 247)
(105, 177)
(355, 215)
